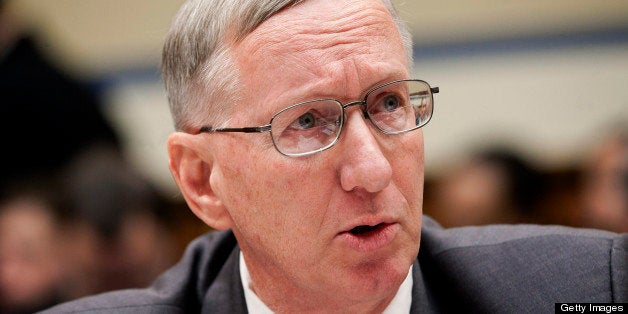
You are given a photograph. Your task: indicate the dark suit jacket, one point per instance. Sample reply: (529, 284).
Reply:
(495, 269)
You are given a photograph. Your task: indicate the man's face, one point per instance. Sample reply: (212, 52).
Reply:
(295, 218)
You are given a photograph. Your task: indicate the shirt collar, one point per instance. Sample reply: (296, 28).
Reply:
(400, 303)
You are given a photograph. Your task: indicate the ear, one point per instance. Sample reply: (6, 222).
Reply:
(191, 166)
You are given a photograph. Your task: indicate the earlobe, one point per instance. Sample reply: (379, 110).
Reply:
(191, 168)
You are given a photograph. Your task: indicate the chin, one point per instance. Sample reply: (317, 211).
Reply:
(379, 279)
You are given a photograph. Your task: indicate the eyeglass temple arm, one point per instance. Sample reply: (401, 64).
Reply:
(433, 90)
(255, 129)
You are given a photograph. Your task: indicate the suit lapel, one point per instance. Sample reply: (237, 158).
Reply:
(226, 294)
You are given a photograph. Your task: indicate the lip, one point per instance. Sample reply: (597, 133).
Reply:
(371, 240)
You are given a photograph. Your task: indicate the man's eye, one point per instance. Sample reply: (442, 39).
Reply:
(390, 103)
(386, 104)
(306, 121)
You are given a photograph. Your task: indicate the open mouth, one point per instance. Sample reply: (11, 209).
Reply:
(364, 229)
(367, 238)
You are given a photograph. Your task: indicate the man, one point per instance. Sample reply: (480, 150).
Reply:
(323, 213)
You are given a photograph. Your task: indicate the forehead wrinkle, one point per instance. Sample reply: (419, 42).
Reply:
(321, 36)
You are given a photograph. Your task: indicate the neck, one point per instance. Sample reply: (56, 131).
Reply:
(282, 298)
(299, 303)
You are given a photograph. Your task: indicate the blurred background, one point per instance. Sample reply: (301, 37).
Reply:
(531, 126)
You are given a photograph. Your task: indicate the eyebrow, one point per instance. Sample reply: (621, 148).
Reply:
(389, 77)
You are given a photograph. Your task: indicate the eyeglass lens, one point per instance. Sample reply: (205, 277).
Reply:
(315, 125)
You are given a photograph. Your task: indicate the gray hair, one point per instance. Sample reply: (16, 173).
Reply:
(200, 77)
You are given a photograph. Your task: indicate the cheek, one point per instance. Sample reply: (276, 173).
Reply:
(408, 168)
(276, 205)
(271, 188)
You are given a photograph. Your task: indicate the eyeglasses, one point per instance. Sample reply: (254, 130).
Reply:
(313, 126)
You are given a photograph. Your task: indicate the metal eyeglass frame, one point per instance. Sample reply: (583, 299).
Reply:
(362, 103)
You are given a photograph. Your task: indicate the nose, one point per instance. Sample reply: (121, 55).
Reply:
(363, 165)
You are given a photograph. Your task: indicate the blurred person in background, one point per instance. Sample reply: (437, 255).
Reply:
(31, 251)
(604, 195)
(97, 226)
(496, 185)
(119, 225)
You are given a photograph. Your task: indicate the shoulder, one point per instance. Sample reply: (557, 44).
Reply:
(181, 289)
(526, 264)
(440, 240)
